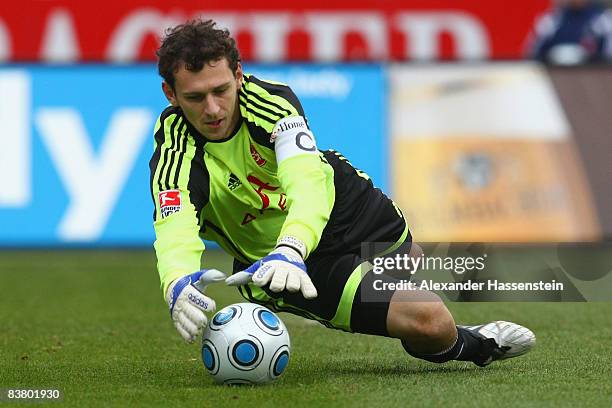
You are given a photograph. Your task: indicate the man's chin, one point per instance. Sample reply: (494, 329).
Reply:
(216, 134)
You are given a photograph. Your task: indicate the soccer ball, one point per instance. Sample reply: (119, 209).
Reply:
(245, 343)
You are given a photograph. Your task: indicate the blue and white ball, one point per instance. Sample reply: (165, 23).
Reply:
(245, 343)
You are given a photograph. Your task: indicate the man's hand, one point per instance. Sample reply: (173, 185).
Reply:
(187, 302)
(283, 268)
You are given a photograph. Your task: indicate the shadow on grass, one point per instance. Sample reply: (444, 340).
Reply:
(356, 367)
(353, 369)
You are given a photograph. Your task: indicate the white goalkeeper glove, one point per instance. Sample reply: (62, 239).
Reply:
(187, 302)
(283, 268)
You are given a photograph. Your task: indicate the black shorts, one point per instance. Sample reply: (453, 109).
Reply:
(338, 266)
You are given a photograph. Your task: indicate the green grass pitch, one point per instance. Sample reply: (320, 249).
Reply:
(93, 324)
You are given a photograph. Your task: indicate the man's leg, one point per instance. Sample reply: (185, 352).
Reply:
(421, 319)
(427, 331)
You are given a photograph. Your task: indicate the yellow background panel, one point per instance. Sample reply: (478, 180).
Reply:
(483, 189)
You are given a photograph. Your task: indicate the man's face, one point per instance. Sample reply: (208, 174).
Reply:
(208, 98)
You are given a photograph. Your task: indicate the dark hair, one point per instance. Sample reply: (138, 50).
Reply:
(195, 43)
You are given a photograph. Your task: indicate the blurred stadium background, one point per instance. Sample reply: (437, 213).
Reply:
(435, 100)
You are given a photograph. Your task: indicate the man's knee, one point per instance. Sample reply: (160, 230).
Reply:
(422, 320)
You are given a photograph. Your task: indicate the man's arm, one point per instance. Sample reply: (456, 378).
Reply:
(178, 246)
(307, 180)
(176, 162)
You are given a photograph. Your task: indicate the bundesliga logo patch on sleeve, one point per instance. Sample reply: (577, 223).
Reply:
(169, 202)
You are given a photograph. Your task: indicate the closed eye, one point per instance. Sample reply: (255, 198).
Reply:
(194, 98)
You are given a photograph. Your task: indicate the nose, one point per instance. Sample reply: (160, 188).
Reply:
(211, 107)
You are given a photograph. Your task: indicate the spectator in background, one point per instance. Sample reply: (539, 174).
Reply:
(573, 32)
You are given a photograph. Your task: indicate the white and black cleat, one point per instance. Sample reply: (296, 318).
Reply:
(509, 340)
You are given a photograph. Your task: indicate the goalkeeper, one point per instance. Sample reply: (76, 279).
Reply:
(235, 162)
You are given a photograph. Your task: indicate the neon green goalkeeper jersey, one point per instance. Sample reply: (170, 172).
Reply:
(264, 182)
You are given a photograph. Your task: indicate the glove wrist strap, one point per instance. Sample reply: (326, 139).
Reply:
(293, 243)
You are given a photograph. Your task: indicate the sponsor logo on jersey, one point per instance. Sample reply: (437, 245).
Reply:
(169, 202)
(263, 186)
(233, 182)
(257, 157)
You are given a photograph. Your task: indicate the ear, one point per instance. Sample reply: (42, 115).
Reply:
(169, 92)
(239, 75)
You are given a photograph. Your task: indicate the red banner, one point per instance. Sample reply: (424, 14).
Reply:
(314, 30)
